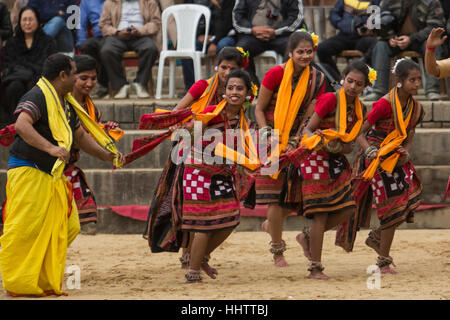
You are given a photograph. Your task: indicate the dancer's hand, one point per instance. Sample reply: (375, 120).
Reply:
(434, 39)
(60, 153)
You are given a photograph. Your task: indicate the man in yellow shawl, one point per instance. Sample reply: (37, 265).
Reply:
(40, 215)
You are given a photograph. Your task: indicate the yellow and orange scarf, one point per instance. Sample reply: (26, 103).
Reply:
(393, 139)
(61, 130)
(250, 157)
(312, 143)
(288, 105)
(116, 133)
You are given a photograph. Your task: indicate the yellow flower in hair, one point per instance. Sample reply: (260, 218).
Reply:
(240, 50)
(315, 38)
(372, 75)
(254, 90)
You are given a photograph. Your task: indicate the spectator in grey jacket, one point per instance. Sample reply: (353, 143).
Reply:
(265, 25)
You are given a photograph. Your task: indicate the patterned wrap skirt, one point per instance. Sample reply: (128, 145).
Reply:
(326, 184)
(210, 202)
(396, 195)
(84, 198)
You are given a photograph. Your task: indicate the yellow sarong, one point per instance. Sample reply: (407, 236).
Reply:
(37, 232)
(40, 215)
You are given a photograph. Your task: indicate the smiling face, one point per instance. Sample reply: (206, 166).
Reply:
(354, 83)
(303, 54)
(85, 82)
(224, 68)
(411, 84)
(236, 91)
(28, 22)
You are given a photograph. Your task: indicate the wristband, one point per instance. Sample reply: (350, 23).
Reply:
(431, 49)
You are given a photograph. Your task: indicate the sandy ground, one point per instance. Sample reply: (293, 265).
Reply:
(122, 267)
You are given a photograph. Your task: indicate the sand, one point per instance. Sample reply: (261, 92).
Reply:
(122, 267)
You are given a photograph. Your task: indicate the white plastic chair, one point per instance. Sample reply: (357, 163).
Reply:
(265, 55)
(187, 17)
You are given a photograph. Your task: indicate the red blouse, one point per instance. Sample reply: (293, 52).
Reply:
(273, 78)
(198, 88)
(326, 104)
(381, 109)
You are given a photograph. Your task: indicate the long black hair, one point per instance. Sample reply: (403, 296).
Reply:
(85, 62)
(241, 74)
(360, 67)
(18, 30)
(230, 54)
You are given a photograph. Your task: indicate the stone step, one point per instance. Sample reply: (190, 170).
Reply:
(128, 112)
(430, 147)
(112, 223)
(136, 186)
(115, 188)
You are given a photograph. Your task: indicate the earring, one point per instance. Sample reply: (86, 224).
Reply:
(224, 96)
(215, 68)
(399, 85)
(248, 97)
(342, 82)
(290, 55)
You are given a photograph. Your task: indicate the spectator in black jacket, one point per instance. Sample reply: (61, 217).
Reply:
(264, 25)
(350, 19)
(54, 15)
(23, 57)
(5, 23)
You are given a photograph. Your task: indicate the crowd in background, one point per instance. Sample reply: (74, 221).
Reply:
(109, 28)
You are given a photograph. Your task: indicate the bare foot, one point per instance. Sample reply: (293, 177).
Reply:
(318, 276)
(264, 226)
(280, 261)
(304, 244)
(388, 269)
(372, 244)
(210, 271)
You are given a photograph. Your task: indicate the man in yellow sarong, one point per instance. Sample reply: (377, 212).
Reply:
(40, 215)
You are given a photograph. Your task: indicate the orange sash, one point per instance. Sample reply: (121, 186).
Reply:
(116, 133)
(393, 139)
(341, 125)
(288, 105)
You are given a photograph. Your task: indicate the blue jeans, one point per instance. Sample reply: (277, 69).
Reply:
(57, 29)
(381, 58)
(225, 42)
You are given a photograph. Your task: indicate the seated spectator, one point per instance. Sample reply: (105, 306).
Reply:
(90, 12)
(23, 57)
(54, 17)
(349, 17)
(5, 23)
(130, 25)
(265, 25)
(405, 25)
(220, 33)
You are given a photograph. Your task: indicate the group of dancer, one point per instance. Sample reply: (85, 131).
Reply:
(196, 206)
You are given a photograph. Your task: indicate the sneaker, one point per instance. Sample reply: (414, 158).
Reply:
(123, 92)
(433, 96)
(141, 91)
(372, 97)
